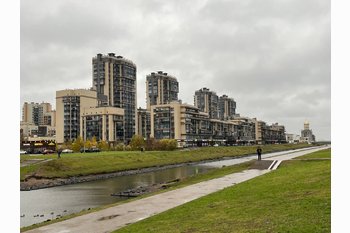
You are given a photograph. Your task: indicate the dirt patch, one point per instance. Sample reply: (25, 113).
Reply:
(261, 165)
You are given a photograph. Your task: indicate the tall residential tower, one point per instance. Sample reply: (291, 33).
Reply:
(161, 88)
(227, 107)
(207, 101)
(114, 79)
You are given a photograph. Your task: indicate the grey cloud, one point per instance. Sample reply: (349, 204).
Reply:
(273, 57)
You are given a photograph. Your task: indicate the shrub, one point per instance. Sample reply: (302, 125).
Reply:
(103, 146)
(167, 144)
(119, 147)
(137, 142)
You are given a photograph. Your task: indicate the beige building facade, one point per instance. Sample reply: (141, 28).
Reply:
(189, 126)
(35, 113)
(114, 78)
(161, 88)
(104, 123)
(70, 104)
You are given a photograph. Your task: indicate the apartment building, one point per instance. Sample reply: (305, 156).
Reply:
(114, 79)
(70, 105)
(227, 107)
(104, 123)
(207, 101)
(35, 112)
(28, 129)
(161, 88)
(246, 133)
(190, 126)
(269, 134)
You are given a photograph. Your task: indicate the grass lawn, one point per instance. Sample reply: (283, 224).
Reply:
(294, 198)
(78, 164)
(324, 154)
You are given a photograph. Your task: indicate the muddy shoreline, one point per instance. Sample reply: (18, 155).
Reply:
(34, 182)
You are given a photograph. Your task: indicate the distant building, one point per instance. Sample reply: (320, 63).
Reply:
(190, 126)
(161, 88)
(292, 138)
(306, 134)
(37, 113)
(114, 79)
(70, 105)
(227, 108)
(207, 101)
(28, 129)
(246, 130)
(269, 134)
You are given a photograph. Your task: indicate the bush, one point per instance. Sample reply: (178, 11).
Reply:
(137, 142)
(77, 144)
(128, 148)
(119, 147)
(103, 146)
(167, 144)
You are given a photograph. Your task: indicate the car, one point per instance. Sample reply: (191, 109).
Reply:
(216, 145)
(23, 152)
(87, 150)
(67, 151)
(45, 152)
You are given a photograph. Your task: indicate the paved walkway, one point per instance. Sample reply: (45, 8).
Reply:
(119, 216)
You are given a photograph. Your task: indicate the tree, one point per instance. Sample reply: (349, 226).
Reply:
(87, 144)
(103, 145)
(137, 142)
(77, 144)
(151, 144)
(93, 142)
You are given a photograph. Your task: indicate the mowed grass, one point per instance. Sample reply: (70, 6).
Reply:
(324, 154)
(294, 198)
(78, 164)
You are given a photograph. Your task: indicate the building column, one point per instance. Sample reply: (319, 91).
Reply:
(103, 127)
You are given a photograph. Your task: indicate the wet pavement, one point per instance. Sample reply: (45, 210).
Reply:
(113, 218)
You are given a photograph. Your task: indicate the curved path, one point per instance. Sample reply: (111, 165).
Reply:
(113, 218)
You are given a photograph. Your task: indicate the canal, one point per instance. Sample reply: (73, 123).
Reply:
(43, 204)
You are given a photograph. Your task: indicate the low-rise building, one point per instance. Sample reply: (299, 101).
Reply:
(104, 123)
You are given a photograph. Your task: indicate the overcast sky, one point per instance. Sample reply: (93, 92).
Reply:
(273, 56)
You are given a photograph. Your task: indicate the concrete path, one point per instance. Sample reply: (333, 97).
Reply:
(119, 216)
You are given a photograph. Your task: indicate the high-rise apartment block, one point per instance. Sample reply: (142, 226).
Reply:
(207, 101)
(70, 105)
(114, 79)
(161, 88)
(37, 113)
(227, 107)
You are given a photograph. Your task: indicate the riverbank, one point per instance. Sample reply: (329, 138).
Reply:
(105, 214)
(33, 182)
(270, 203)
(77, 168)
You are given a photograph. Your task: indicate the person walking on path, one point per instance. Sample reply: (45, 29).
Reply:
(258, 151)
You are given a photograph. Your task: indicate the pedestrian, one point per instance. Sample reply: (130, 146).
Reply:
(258, 151)
(59, 151)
